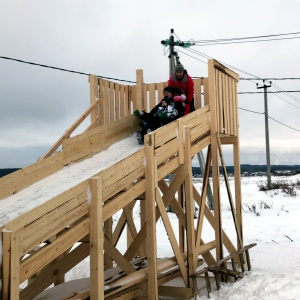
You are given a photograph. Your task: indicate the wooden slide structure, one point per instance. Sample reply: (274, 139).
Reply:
(38, 246)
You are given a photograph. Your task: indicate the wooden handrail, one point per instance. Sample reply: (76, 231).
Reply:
(69, 131)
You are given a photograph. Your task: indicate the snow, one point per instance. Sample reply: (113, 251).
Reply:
(274, 226)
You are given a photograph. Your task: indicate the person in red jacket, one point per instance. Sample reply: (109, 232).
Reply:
(181, 79)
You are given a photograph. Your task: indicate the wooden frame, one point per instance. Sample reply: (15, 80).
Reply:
(48, 233)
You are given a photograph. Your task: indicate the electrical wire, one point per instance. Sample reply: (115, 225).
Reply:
(61, 69)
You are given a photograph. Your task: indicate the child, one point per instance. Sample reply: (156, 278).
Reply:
(162, 114)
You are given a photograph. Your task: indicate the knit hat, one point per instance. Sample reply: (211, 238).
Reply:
(168, 89)
(179, 68)
(177, 90)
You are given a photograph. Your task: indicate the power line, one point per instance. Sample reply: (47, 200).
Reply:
(255, 112)
(241, 93)
(243, 42)
(285, 78)
(250, 39)
(61, 69)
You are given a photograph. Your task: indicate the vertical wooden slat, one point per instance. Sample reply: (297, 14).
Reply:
(152, 96)
(123, 101)
(117, 102)
(6, 250)
(101, 100)
(238, 190)
(206, 91)
(106, 101)
(93, 95)
(151, 190)
(235, 103)
(15, 266)
(108, 233)
(197, 96)
(160, 90)
(139, 92)
(190, 209)
(96, 241)
(112, 105)
(215, 165)
(128, 101)
(226, 104)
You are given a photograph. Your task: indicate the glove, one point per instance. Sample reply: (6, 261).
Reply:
(178, 99)
(138, 112)
(163, 116)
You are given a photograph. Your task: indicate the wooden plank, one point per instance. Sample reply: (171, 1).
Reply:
(101, 100)
(96, 240)
(200, 145)
(203, 198)
(166, 151)
(152, 97)
(139, 90)
(190, 210)
(197, 95)
(119, 229)
(115, 254)
(160, 90)
(37, 235)
(37, 261)
(6, 261)
(215, 166)
(172, 238)
(122, 199)
(16, 181)
(225, 70)
(238, 190)
(112, 105)
(105, 99)
(151, 197)
(15, 278)
(43, 280)
(98, 139)
(176, 291)
(167, 168)
(122, 99)
(94, 95)
(41, 210)
(117, 102)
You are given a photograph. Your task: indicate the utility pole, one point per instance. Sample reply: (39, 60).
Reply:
(173, 56)
(267, 132)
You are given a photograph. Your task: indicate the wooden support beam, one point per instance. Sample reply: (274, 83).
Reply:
(96, 240)
(151, 198)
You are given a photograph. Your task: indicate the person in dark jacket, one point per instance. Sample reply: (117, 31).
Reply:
(162, 114)
(179, 100)
(181, 79)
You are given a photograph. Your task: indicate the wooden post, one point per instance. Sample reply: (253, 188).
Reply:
(215, 164)
(238, 191)
(139, 90)
(108, 233)
(6, 258)
(190, 209)
(151, 189)
(93, 95)
(96, 241)
(15, 266)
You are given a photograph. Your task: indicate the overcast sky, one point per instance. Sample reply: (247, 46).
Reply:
(115, 38)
